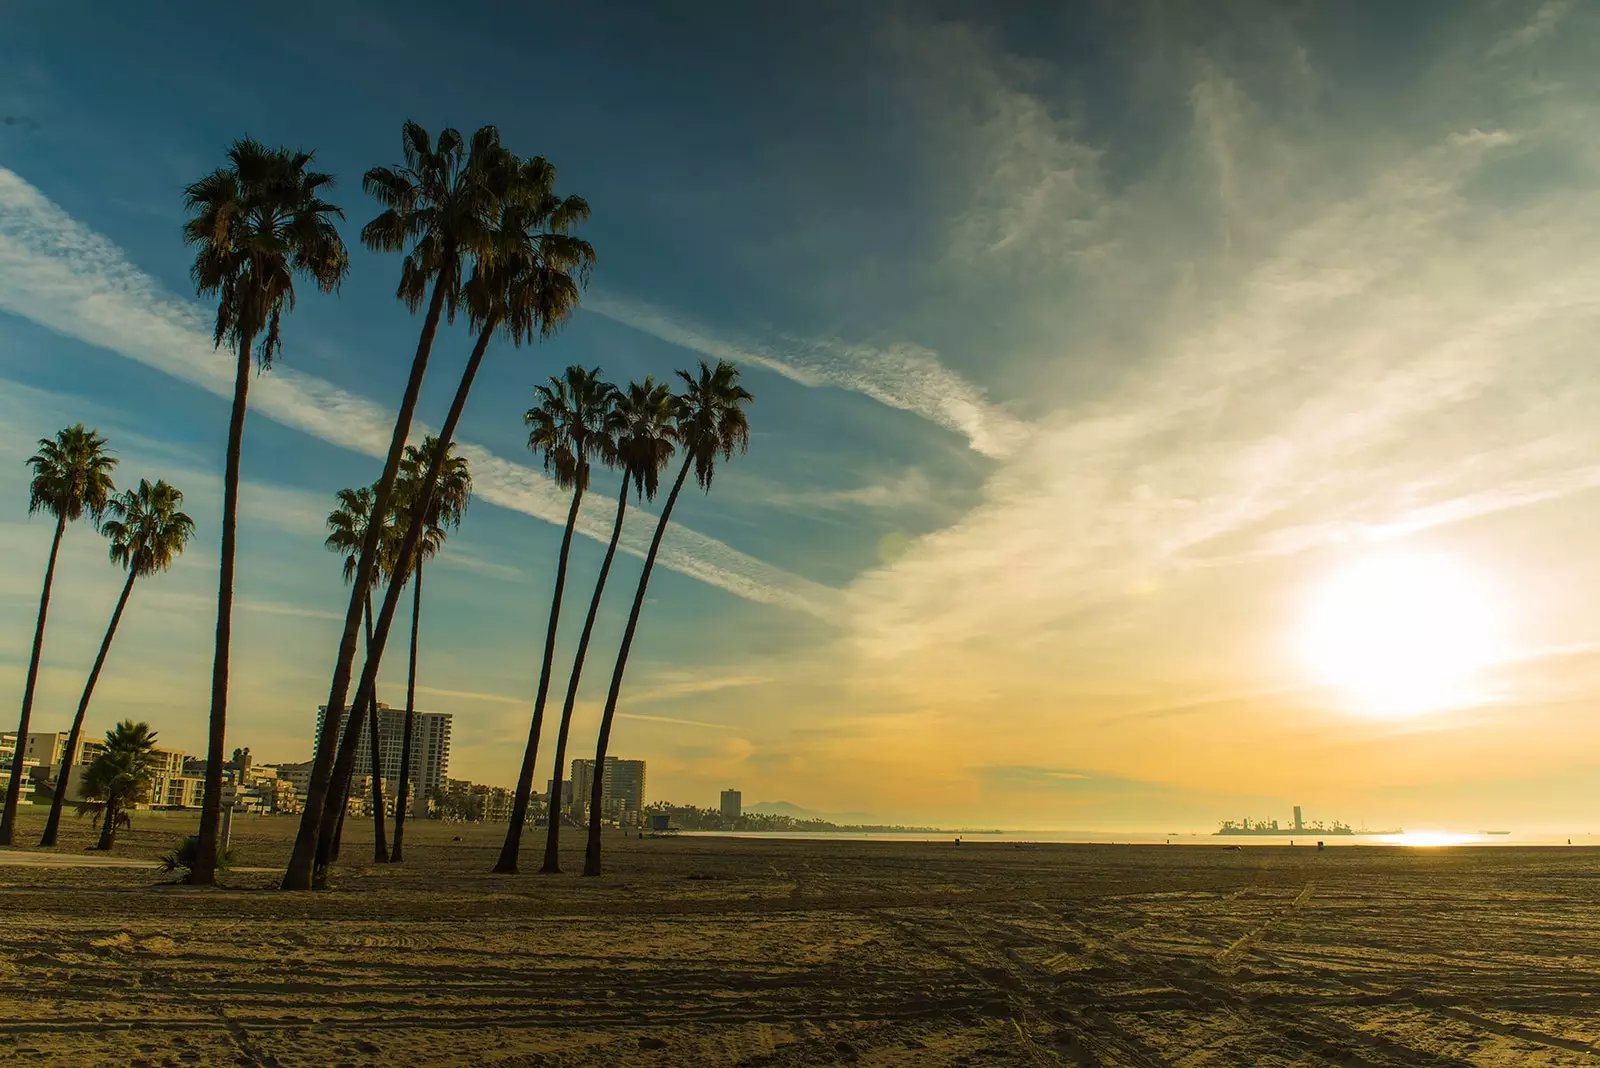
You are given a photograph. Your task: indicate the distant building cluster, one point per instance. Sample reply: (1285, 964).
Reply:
(279, 788)
(179, 783)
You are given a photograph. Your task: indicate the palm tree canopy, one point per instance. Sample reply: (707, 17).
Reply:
(71, 475)
(347, 530)
(645, 433)
(256, 223)
(450, 495)
(146, 529)
(438, 207)
(533, 269)
(710, 417)
(573, 422)
(127, 766)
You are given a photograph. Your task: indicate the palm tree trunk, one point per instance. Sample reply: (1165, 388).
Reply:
(507, 864)
(407, 549)
(348, 746)
(299, 874)
(53, 824)
(402, 797)
(591, 857)
(204, 871)
(108, 824)
(552, 837)
(380, 844)
(8, 820)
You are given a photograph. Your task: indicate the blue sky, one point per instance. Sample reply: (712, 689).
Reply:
(1089, 345)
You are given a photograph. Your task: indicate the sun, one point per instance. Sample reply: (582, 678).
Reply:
(1401, 634)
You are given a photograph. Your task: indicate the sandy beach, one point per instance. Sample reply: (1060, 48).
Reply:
(700, 951)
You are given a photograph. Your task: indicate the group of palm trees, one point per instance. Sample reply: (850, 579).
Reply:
(484, 236)
(147, 530)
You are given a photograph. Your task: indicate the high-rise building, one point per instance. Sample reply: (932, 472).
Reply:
(732, 804)
(430, 750)
(1298, 826)
(621, 788)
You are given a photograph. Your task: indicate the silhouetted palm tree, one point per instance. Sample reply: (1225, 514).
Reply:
(570, 424)
(348, 525)
(71, 476)
(710, 422)
(256, 223)
(147, 533)
(438, 209)
(449, 503)
(120, 777)
(643, 429)
(524, 287)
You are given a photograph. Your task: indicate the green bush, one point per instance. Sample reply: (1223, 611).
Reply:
(182, 858)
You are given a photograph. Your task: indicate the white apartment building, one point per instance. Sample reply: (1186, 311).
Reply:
(430, 752)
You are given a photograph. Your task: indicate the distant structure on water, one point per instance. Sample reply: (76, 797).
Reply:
(430, 752)
(732, 804)
(1270, 828)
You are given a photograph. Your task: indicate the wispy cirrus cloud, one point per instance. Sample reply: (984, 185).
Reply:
(60, 274)
(902, 375)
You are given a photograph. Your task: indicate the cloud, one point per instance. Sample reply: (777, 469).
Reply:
(56, 272)
(902, 375)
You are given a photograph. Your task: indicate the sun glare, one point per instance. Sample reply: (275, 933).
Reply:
(1401, 634)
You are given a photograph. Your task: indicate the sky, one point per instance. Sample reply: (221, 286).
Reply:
(1164, 413)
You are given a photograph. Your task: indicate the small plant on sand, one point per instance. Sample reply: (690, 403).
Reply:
(182, 858)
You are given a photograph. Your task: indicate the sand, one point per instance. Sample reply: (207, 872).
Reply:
(715, 951)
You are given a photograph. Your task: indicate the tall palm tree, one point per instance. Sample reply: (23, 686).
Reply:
(642, 425)
(147, 533)
(524, 287)
(570, 424)
(255, 223)
(445, 510)
(71, 476)
(438, 210)
(710, 422)
(120, 777)
(348, 525)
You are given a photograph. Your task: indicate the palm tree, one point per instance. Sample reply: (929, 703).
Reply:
(256, 223)
(347, 533)
(71, 476)
(438, 209)
(570, 424)
(120, 777)
(523, 287)
(446, 508)
(642, 425)
(710, 422)
(147, 533)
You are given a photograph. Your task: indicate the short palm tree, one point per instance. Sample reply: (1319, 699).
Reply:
(348, 525)
(570, 425)
(147, 533)
(439, 206)
(643, 433)
(710, 422)
(256, 224)
(524, 288)
(71, 476)
(121, 776)
(449, 503)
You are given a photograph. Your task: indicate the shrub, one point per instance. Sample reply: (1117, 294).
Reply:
(182, 858)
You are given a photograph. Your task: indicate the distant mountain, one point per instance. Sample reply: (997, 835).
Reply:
(794, 811)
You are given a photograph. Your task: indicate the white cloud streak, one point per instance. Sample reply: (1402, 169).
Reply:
(903, 376)
(61, 275)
